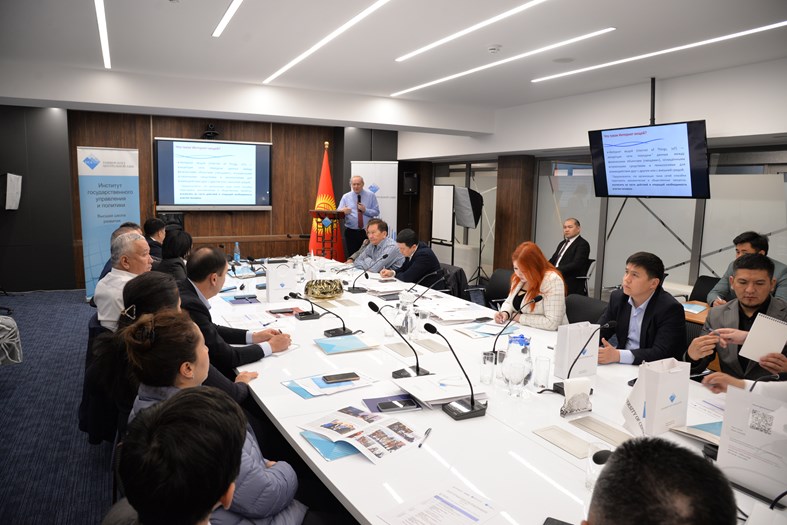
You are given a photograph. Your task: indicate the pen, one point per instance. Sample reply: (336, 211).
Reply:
(426, 435)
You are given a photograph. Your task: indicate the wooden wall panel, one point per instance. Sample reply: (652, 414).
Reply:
(297, 154)
(515, 201)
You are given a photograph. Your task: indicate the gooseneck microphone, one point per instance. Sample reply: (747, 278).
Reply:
(412, 371)
(558, 387)
(422, 279)
(465, 408)
(442, 278)
(303, 316)
(358, 289)
(333, 332)
(536, 299)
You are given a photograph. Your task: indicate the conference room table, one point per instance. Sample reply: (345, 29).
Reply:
(496, 461)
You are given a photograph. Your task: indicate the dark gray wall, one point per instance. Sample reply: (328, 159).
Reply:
(359, 144)
(36, 241)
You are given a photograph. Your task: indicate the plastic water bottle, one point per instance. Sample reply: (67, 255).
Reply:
(236, 253)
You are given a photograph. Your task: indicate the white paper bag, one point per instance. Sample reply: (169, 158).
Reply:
(281, 280)
(659, 399)
(570, 338)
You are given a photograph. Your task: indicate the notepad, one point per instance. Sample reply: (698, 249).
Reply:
(767, 336)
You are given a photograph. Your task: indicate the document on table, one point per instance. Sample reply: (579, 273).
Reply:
(451, 506)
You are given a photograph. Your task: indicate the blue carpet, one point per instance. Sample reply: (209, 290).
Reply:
(49, 473)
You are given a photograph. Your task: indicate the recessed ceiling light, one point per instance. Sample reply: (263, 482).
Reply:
(103, 37)
(664, 51)
(228, 14)
(470, 29)
(347, 25)
(505, 61)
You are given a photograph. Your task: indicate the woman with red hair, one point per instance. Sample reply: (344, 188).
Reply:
(533, 276)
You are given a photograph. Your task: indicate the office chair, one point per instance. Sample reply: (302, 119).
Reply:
(702, 287)
(496, 290)
(583, 308)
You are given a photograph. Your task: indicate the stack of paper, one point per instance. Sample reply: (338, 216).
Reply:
(377, 287)
(315, 386)
(438, 390)
(345, 343)
(478, 330)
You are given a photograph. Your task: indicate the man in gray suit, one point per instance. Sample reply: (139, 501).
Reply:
(728, 325)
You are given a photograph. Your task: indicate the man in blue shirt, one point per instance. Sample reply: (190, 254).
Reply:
(651, 324)
(381, 252)
(359, 206)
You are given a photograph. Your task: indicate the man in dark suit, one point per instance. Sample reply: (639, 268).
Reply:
(420, 261)
(651, 324)
(206, 272)
(727, 326)
(571, 257)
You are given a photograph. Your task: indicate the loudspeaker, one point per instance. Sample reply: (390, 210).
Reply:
(410, 183)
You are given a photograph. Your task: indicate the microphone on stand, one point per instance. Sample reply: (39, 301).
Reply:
(358, 289)
(536, 299)
(558, 387)
(333, 332)
(464, 408)
(303, 316)
(412, 371)
(422, 279)
(442, 278)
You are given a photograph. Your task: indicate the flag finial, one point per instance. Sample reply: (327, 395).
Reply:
(326, 144)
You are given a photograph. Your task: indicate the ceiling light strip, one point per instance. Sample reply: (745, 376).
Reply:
(664, 51)
(463, 32)
(226, 18)
(103, 37)
(347, 25)
(505, 61)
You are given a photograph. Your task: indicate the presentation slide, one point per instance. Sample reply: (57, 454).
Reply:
(207, 173)
(651, 160)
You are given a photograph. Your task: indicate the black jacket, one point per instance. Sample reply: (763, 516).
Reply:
(423, 262)
(573, 264)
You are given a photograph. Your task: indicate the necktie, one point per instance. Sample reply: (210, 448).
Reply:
(360, 215)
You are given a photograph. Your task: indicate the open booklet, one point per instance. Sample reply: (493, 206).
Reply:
(376, 436)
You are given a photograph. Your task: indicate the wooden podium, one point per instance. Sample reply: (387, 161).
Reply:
(328, 234)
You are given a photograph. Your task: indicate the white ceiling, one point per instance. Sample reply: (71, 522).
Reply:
(173, 38)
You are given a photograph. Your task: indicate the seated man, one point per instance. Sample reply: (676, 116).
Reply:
(155, 229)
(650, 323)
(748, 242)
(206, 272)
(193, 472)
(381, 252)
(728, 325)
(650, 481)
(420, 261)
(126, 227)
(130, 257)
(571, 257)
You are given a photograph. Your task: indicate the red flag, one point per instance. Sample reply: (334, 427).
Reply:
(326, 201)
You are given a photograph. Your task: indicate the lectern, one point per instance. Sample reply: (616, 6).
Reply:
(328, 230)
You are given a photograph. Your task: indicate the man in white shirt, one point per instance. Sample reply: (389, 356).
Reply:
(130, 256)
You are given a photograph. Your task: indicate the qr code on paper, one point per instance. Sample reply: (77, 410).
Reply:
(761, 421)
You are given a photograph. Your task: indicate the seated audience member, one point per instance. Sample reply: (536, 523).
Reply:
(651, 324)
(155, 230)
(719, 382)
(175, 248)
(748, 242)
(419, 262)
(206, 272)
(167, 353)
(651, 481)
(728, 325)
(571, 257)
(534, 275)
(192, 472)
(130, 257)
(126, 227)
(372, 258)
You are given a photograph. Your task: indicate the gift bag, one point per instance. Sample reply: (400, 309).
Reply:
(570, 338)
(659, 399)
(281, 280)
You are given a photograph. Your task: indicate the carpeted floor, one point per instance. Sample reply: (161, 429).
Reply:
(49, 473)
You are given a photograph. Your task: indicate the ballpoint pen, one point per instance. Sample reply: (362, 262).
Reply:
(426, 435)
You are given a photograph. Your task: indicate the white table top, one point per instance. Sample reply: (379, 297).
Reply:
(496, 456)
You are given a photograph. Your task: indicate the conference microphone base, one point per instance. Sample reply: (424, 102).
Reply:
(356, 289)
(336, 332)
(307, 316)
(410, 372)
(558, 389)
(463, 409)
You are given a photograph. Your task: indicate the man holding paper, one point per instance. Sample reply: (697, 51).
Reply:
(728, 325)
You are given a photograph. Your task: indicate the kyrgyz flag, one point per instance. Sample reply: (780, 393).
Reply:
(326, 201)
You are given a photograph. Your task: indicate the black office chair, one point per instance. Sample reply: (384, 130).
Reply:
(702, 287)
(587, 271)
(496, 290)
(455, 280)
(583, 308)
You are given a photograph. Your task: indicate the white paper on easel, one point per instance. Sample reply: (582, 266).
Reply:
(753, 449)
(570, 339)
(767, 336)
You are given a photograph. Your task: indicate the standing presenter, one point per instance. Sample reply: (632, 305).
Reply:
(358, 206)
